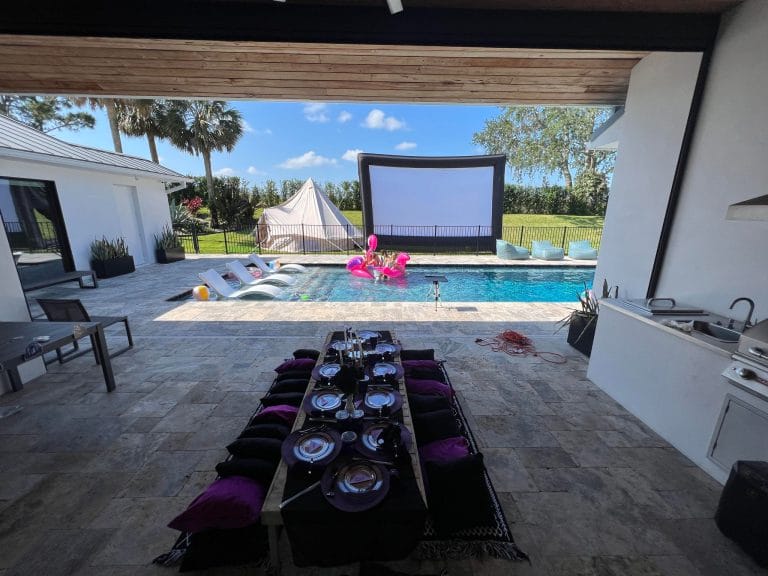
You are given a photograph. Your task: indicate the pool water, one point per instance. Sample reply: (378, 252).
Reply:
(463, 284)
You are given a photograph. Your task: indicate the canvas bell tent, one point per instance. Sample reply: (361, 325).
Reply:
(307, 222)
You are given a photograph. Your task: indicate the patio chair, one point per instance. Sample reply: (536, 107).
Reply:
(264, 267)
(74, 311)
(508, 251)
(582, 250)
(246, 278)
(543, 250)
(216, 283)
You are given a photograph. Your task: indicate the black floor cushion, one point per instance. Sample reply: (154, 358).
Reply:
(225, 547)
(437, 425)
(255, 468)
(294, 375)
(289, 398)
(306, 353)
(421, 403)
(264, 448)
(458, 498)
(426, 354)
(289, 386)
(266, 430)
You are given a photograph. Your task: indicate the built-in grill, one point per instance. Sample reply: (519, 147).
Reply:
(749, 369)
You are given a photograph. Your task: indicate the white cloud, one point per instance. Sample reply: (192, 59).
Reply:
(377, 120)
(253, 171)
(316, 112)
(344, 116)
(351, 155)
(224, 172)
(246, 127)
(405, 146)
(307, 160)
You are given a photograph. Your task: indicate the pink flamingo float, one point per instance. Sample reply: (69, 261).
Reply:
(366, 267)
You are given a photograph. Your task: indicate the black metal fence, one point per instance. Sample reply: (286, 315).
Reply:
(39, 237)
(307, 239)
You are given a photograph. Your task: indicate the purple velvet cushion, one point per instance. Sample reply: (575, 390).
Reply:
(277, 413)
(446, 450)
(298, 364)
(418, 386)
(233, 502)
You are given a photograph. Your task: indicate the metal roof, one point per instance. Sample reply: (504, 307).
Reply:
(18, 140)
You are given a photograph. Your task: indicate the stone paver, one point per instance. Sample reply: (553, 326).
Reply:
(89, 480)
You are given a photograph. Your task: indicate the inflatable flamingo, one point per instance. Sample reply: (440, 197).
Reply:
(363, 267)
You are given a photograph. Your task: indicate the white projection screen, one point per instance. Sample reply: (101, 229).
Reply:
(444, 203)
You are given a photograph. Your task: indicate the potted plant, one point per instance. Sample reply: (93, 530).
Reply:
(168, 246)
(582, 323)
(110, 257)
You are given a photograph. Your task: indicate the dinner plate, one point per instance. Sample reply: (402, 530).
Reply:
(315, 447)
(379, 399)
(326, 371)
(384, 369)
(355, 485)
(325, 400)
(368, 334)
(339, 345)
(386, 348)
(368, 440)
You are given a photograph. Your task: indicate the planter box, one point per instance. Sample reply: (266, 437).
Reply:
(168, 255)
(114, 267)
(581, 332)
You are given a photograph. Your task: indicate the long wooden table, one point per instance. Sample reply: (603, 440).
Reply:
(16, 336)
(270, 512)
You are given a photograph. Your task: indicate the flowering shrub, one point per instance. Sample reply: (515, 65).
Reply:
(193, 204)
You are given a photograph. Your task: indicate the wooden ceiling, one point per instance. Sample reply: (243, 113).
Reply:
(441, 51)
(324, 72)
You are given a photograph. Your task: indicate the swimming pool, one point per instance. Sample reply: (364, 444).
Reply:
(464, 284)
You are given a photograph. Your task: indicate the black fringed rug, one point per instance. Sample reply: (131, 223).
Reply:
(492, 539)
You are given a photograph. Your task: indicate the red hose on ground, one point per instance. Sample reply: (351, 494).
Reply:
(516, 344)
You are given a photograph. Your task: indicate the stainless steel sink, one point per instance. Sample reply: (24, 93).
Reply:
(716, 331)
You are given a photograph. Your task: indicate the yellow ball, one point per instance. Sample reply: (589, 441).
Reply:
(200, 293)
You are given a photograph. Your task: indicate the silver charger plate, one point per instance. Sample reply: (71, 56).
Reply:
(370, 436)
(379, 399)
(329, 370)
(326, 401)
(385, 348)
(314, 446)
(340, 345)
(384, 369)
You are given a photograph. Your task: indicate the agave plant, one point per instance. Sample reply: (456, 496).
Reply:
(167, 239)
(106, 249)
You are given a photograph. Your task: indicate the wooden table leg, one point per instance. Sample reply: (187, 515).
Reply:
(103, 353)
(273, 533)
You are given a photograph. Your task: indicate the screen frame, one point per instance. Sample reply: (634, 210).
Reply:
(482, 241)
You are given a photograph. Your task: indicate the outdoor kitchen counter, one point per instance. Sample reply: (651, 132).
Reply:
(725, 349)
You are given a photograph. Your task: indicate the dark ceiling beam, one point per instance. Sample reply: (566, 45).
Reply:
(426, 26)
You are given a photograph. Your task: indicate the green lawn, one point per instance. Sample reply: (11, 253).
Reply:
(356, 217)
(242, 243)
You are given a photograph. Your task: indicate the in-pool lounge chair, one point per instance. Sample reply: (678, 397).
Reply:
(543, 250)
(507, 251)
(216, 283)
(582, 250)
(246, 278)
(265, 269)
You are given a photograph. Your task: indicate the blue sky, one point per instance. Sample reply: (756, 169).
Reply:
(298, 140)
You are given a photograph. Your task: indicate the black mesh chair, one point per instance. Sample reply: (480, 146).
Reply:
(74, 311)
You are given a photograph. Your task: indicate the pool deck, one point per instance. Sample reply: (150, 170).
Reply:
(89, 479)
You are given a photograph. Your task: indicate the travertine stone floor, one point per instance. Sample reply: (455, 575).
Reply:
(88, 479)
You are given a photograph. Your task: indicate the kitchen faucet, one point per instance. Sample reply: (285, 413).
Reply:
(748, 321)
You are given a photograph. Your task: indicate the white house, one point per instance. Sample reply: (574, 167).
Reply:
(82, 193)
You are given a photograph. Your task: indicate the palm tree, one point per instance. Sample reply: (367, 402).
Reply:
(201, 127)
(112, 107)
(144, 118)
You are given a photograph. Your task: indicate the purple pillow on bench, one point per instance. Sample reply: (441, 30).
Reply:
(298, 364)
(446, 450)
(233, 502)
(431, 364)
(277, 413)
(418, 386)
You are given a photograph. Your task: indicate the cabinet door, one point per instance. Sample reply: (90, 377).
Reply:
(741, 434)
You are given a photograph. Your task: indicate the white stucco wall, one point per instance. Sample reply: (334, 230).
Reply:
(656, 111)
(711, 260)
(88, 204)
